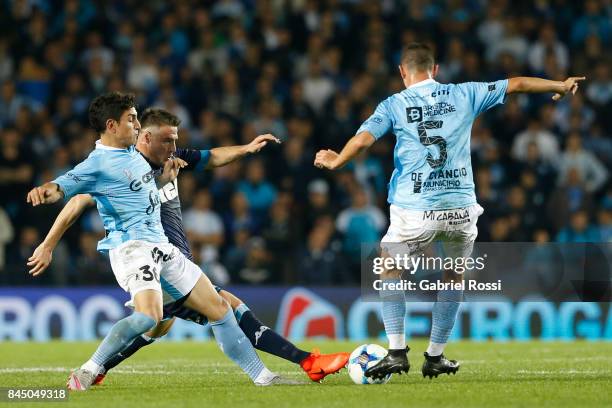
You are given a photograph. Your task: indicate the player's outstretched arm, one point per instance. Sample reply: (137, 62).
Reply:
(220, 156)
(541, 85)
(331, 160)
(41, 258)
(48, 193)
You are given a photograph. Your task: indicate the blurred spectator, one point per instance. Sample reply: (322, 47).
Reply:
(544, 172)
(318, 263)
(512, 43)
(319, 204)
(16, 170)
(369, 172)
(317, 88)
(599, 89)
(259, 193)
(204, 227)
(574, 108)
(579, 229)
(239, 218)
(361, 223)
(548, 44)
(142, 74)
(11, 102)
(280, 237)
(92, 268)
(28, 240)
(6, 236)
(523, 214)
(7, 64)
(604, 225)
(591, 172)
(568, 198)
(257, 267)
(547, 143)
(491, 29)
(167, 100)
(594, 21)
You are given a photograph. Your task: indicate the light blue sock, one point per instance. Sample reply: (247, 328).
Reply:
(121, 335)
(443, 319)
(393, 314)
(236, 345)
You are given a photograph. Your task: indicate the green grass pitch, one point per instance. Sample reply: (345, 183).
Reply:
(521, 374)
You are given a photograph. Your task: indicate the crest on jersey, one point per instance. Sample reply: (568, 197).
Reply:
(414, 114)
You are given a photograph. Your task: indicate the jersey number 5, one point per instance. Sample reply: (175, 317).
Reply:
(427, 140)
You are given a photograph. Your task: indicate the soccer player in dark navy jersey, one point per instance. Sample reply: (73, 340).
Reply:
(157, 143)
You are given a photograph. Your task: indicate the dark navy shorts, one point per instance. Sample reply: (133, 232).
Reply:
(176, 309)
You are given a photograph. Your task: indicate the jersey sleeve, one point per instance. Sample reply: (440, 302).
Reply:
(485, 95)
(196, 159)
(379, 123)
(81, 179)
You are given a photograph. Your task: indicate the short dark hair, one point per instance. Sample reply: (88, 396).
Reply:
(158, 117)
(418, 57)
(109, 106)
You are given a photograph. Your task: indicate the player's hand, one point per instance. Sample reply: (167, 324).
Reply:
(40, 259)
(326, 159)
(172, 167)
(570, 85)
(48, 193)
(260, 142)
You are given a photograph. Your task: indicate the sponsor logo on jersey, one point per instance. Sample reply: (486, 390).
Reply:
(450, 173)
(136, 185)
(414, 114)
(74, 177)
(454, 217)
(438, 109)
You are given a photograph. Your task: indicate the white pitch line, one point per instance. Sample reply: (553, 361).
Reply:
(131, 371)
(561, 372)
(540, 359)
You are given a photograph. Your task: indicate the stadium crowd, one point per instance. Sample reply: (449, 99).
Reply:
(309, 72)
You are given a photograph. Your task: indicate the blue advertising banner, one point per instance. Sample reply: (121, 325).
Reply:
(42, 314)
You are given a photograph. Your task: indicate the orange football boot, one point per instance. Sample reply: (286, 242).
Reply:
(99, 378)
(318, 365)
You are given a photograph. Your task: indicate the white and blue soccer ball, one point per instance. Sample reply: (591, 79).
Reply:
(362, 358)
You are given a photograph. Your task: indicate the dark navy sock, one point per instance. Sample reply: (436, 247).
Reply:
(265, 339)
(138, 343)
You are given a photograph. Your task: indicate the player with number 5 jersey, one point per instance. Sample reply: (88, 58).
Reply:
(432, 123)
(431, 192)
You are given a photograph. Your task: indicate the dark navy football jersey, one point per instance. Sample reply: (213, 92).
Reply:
(171, 216)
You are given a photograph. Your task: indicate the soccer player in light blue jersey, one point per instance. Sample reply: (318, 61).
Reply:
(431, 192)
(125, 190)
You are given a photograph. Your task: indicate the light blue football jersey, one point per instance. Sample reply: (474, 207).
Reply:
(432, 123)
(123, 185)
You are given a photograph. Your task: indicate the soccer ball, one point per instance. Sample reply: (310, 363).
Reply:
(362, 358)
